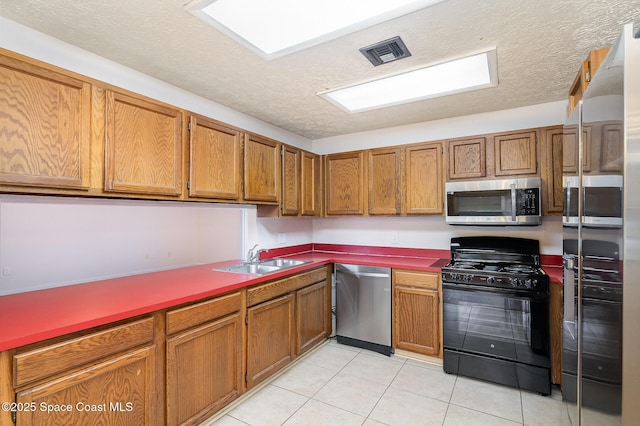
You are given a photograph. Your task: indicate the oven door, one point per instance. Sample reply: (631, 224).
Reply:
(500, 323)
(601, 380)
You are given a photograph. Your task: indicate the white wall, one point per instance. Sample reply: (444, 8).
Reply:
(34, 44)
(549, 114)
(54, 241)
(426, 232)
(282, 232)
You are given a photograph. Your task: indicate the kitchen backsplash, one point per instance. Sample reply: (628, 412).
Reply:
(53, 241)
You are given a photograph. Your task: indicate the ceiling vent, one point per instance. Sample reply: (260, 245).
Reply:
(386, 51)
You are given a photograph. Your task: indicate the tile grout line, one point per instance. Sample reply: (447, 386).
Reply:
(385, 391)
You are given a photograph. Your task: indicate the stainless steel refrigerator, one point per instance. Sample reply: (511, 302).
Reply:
(601, 244)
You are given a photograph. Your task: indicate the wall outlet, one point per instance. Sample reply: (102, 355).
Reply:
(282, 238)
(394, 238)
(6, 271)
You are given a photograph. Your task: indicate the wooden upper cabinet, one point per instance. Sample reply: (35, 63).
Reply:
(143, 152)
(552, 170)
(344, 183)
(466, 158)
(44, 127)
(570, 149)
(516, 153)
(384, 181)
(214, 160)
(611, 148)
(290, 181)
(424, 179)
(310, 184)
(586, 72)
(261, 169)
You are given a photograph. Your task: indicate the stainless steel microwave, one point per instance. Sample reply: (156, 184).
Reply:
(494, 202)
(602, 201)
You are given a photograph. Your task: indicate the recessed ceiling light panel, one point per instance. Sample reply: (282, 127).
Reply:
(276, 28)
(473, 72)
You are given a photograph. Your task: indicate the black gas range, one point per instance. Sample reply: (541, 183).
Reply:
(496, 312)
(500, 262)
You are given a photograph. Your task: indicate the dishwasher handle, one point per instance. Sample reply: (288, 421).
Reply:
(371, 275)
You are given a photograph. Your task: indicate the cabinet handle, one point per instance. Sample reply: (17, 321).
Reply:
(513, 202)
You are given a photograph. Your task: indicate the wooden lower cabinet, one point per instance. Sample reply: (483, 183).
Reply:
(114, 392)
(204, 358)
(270, 327)
(107, 376)
(311, 316)
(555, 326)
(203, 370)
(285, 318)
(417, 312)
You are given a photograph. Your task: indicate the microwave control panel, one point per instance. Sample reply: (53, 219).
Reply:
(528, 202)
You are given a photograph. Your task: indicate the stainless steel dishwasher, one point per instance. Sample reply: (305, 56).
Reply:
(363, 307)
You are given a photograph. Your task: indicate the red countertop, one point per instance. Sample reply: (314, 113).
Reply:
(38, 315)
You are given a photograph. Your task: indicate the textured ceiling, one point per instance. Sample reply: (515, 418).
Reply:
(539, 43)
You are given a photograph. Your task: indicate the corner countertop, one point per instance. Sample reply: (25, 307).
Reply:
(39, 315)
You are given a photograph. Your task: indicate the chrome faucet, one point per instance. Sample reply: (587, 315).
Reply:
(253, 256)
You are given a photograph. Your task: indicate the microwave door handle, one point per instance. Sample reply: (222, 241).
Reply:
(513, 202)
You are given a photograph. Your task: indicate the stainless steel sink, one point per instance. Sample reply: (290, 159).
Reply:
(283, 263)
(261, 268)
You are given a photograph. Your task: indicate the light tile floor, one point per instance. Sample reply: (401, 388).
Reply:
(341, 385)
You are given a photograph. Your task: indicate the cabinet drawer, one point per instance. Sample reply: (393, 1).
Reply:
(428, 280)
(190, 316)
(50, 360)
(274, 289)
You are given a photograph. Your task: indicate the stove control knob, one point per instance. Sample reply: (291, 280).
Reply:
(467, 278)
(491, 280)
(527, 283)
(515, 282)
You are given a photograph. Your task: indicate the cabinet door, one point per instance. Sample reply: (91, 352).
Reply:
(417, 312)
(311, 316)
(611, 154)
(143, 146)
(424, 183)
(261, 169)
(119, 391)
(44, 127)
(203, 370)
(384, 181)
(466, 158)
(290, 181)
(215, 160)
(552, 170)
(310, 184)
(416, 320)
(269, 338)
(344, 184)
(570, 149)
(516, 153)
